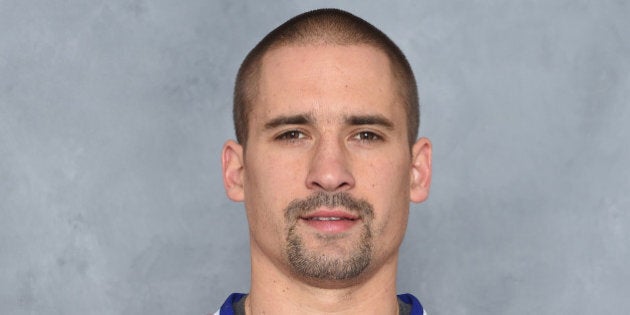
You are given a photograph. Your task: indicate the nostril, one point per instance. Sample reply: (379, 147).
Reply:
(330, 183)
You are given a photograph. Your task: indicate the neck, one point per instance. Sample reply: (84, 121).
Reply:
(275, 291)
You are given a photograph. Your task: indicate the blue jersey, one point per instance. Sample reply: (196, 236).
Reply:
(227, 309)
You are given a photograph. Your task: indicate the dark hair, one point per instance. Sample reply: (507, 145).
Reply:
(323, 26)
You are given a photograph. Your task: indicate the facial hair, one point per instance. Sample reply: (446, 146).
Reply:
(312, 264)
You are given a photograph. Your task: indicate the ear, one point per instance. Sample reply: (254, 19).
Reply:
(233, 167)
(420, 170)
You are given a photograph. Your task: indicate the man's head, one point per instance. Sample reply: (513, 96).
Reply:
(319, 27)
(329, 170)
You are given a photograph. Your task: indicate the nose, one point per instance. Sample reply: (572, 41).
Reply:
(329, 167)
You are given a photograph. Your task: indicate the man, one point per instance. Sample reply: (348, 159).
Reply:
(326, 163)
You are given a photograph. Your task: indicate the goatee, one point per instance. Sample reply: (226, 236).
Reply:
(312, 264)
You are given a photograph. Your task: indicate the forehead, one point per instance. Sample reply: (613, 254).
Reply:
(341, 79)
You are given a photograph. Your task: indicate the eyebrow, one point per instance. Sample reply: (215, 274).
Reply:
(370, 120)
(308, 119)
(300, 119)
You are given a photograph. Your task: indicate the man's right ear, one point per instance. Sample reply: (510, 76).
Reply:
(233, 168)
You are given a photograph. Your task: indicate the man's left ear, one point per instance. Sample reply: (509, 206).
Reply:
(420, 170)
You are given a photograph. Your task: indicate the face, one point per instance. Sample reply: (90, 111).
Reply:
(328, 173)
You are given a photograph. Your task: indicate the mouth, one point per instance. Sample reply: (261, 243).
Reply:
(327, 219)
(330, 221)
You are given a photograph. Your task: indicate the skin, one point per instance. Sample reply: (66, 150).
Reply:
(326, 118)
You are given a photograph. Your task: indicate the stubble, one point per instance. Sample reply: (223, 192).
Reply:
(312, 264)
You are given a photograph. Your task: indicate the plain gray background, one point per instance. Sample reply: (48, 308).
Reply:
(113, 114)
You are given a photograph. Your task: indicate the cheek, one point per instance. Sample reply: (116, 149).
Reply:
(389, 181)
(390, 226)
(386, 176)
(272, 175)
(270, 184)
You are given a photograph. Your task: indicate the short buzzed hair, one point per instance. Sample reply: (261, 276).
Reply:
(323, 26)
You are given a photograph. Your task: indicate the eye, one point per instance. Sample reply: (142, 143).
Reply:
(291, 135)
(367, 136)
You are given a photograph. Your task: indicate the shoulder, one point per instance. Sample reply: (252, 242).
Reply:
(416, 306)
(227, 308)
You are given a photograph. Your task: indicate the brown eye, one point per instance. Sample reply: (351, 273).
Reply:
(291, 135)
(367, 136)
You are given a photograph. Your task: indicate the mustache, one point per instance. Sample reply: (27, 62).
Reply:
(300, 207)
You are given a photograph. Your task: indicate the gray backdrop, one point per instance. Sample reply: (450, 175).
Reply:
(113, 114)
